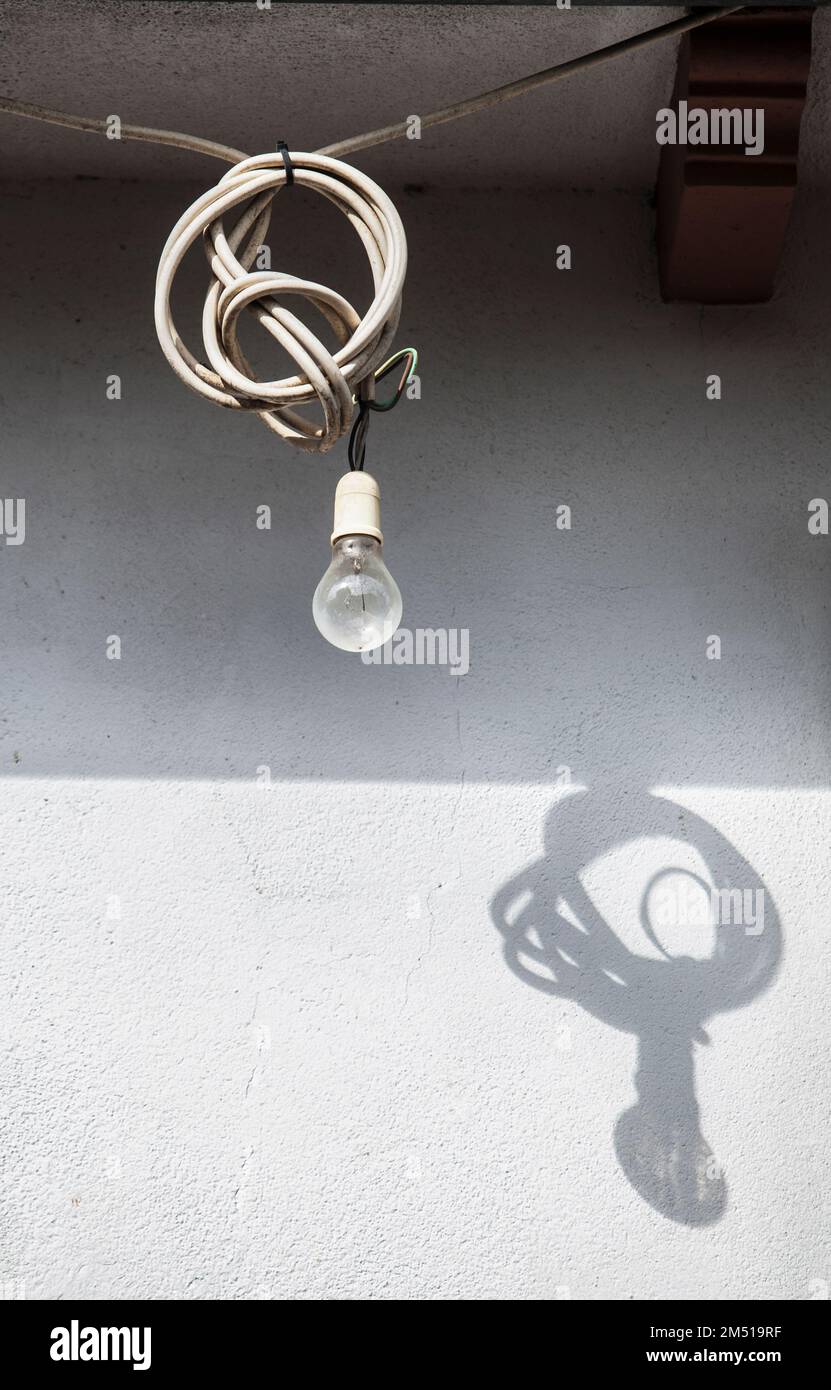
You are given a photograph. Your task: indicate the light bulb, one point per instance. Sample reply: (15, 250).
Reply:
(357, 604)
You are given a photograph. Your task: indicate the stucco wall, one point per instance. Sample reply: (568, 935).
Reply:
(284, 1041)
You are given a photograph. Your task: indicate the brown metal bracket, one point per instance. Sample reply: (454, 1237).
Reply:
(723, 214)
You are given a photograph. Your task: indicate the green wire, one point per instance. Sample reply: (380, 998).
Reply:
(382, 371)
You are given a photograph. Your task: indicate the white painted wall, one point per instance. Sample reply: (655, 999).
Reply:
(306, 1060)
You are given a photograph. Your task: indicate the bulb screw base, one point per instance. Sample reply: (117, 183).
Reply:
(357, 507)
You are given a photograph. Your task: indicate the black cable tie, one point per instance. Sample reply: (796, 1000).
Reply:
(283, 149)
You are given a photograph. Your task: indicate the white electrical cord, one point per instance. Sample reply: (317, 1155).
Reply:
(334, 379)
(179, 140)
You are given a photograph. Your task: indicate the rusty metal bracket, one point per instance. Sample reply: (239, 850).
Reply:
(723, 214)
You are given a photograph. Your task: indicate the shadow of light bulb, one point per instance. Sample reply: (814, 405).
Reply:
(557, 940)
(658, 1141)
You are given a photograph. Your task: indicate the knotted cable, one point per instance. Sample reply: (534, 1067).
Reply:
(331, 378)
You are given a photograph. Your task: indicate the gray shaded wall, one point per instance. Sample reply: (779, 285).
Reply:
(539, 388)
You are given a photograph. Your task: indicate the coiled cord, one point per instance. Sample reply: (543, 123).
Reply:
(331, 378)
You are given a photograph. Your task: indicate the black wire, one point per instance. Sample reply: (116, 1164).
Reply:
(357, 437)
(360, 426)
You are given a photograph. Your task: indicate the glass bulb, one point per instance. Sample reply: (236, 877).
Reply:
(357, 604)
